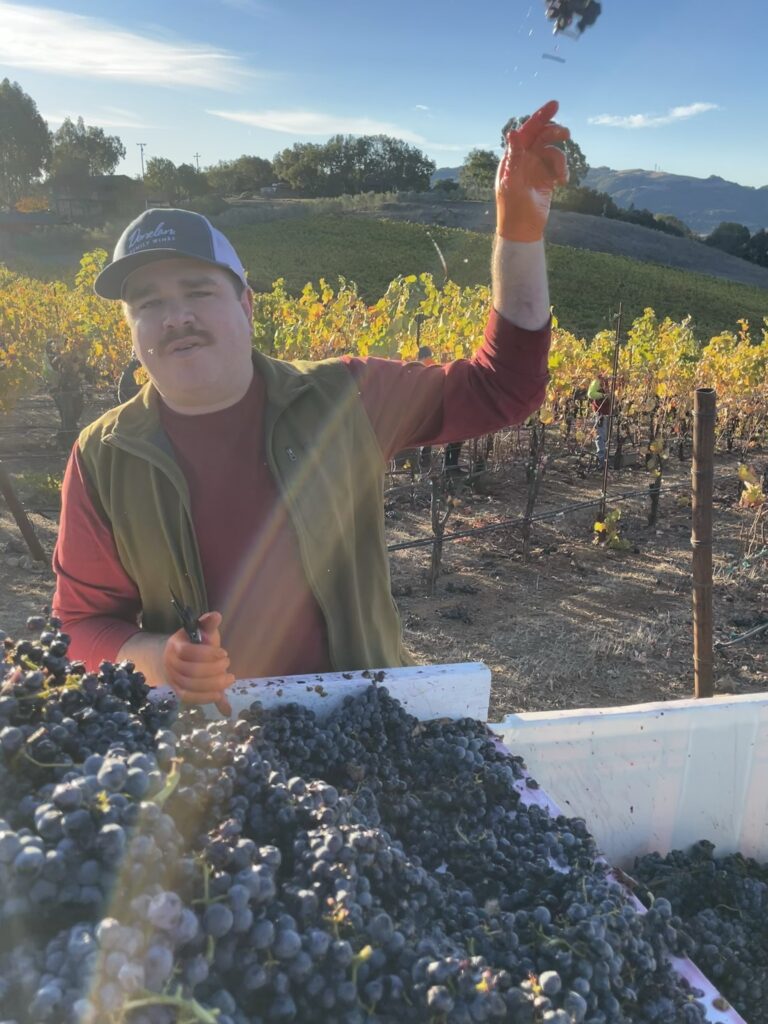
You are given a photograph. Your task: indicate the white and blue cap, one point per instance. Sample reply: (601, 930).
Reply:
(162, 234)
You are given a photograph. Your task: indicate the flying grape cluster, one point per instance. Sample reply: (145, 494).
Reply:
(160, 868)
(723, 902)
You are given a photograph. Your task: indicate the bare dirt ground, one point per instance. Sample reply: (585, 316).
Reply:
(579, 625)
(573, 626)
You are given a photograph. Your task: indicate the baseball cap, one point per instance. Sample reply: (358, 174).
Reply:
(164, 234)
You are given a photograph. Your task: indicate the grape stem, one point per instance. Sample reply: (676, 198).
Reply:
(43, 764)
(210, 946)
(191, 1006)
(171, 782)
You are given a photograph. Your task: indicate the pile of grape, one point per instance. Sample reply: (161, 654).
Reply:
(157, 867)
(724, 906)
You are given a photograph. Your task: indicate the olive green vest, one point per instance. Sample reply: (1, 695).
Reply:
(326, 460)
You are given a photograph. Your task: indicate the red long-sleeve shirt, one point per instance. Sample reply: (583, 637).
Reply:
(272, 624)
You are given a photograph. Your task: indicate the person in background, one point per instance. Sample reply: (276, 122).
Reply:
(65, 373)
(252, 486)
(599, 393)
(128, 386)
(452, 455)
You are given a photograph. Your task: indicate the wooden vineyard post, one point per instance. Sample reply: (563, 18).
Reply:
(702, 476)
(17, 511)
(612, 415)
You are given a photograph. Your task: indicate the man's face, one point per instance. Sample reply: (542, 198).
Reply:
(191, 332)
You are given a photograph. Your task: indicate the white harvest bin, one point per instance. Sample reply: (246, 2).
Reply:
(685, 968)
(425, 691)
(644, 777)
(655, 776)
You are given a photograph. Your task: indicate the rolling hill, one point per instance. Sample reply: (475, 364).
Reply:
(702, 203)
(598, 234)
(586, 286)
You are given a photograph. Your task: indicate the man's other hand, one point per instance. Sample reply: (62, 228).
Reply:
(198, 673)
(530, 169)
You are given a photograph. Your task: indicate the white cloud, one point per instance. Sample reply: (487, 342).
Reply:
(306, 122)
(423, 110)
(113, 119)
(251, 7)
(121, 112)
(653, 120)
(453, 147)
(58, 42)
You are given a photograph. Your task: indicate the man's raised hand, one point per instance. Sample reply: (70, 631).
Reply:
(528, 172)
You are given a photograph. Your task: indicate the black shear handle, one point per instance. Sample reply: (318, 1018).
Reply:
(189, 621)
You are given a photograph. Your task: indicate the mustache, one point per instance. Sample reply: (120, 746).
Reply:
(178, 335)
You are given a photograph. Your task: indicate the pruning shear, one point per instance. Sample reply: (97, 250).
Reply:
(189, 620)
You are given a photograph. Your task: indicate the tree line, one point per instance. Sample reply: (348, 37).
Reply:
(737, 240)
(75, 152)
(344, 165)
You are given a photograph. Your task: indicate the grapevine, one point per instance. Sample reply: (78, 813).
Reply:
(661, 361)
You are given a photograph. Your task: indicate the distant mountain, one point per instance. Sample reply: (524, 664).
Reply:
(702, 203)
(445, 172)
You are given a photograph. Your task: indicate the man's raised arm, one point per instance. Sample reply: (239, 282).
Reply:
(530, 169)
(505, 381)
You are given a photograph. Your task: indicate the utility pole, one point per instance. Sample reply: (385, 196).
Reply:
(141, 146)
(197, 161)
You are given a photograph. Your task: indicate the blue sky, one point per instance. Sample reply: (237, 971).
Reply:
(674, 84)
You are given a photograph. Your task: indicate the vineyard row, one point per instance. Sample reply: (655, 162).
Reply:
(660, 361)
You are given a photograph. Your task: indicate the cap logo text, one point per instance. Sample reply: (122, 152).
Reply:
(160, 235)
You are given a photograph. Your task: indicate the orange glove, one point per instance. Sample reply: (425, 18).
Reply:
(527, 175)
(198, 672)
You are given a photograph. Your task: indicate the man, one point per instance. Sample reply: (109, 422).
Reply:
(254, 487)
(128, 386)
(598, 393)
(64, 372)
